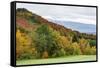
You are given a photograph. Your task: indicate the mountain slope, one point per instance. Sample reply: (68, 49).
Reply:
(30, 21)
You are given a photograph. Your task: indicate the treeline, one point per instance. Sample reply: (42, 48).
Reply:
(46, 42)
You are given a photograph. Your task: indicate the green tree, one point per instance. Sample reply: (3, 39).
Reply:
(43, 40)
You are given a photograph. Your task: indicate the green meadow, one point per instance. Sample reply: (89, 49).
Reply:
(77, 58)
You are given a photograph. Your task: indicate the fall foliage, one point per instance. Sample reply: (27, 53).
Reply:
(38, 38)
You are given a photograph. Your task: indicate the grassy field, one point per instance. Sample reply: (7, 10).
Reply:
(58, 60)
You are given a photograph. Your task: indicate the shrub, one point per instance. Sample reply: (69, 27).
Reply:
(93, 49)
(69, 50)
(73, 49)
(89, 50)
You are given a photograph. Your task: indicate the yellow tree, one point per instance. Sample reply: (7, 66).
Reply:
(23, 45)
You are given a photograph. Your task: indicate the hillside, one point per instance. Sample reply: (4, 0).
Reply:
(24, 17)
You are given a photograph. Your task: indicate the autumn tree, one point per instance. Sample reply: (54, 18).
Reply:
(24, 49)
(83, 43)
(89, 50)
(76, 49)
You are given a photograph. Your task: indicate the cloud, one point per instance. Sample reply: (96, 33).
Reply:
(79, 20)
(85, 15)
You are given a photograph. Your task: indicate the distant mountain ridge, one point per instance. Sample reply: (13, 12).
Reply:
(81, 27)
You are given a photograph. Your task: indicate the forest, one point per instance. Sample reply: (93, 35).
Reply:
(38, 38)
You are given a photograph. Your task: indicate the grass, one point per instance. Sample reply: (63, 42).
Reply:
(77, 58)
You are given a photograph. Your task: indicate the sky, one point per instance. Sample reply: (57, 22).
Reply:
(86, 15)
